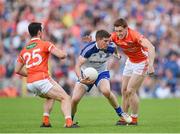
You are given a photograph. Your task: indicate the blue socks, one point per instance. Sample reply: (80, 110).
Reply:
(119, 111)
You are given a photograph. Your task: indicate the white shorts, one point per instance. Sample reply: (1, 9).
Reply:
(39, 87)
(135, 68)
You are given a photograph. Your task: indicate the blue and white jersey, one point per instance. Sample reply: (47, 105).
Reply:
(96, 57)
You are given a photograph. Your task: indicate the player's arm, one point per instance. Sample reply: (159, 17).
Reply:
(81, 60)
(151, 54)
(58, 53)
(87, 38)
(116, 54)
(20, 69)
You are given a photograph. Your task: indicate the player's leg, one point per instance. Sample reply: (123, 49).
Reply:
(104, 87)
(78, 93)
(127, 72)
(40, 88)
(132, 88)
(125, 101)
(48, 105)
(58, 93)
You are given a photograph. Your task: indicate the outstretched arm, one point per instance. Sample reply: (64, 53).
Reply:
(58, 53)
(116, 54)
(151, 54)
(87, 38)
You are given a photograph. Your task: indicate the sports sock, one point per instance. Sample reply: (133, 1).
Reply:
(134, 117)
(119, 111)
(69, 121)
(46, 118)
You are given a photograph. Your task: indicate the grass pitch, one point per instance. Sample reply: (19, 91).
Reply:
(95, 115)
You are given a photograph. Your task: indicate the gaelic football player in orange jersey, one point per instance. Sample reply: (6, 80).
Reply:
(33, 63)
(141, 54)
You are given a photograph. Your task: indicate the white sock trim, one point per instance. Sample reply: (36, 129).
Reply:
(134, 115)
(45, 114)
(67, 117)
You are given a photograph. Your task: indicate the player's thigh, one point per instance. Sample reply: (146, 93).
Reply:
(135, 82)
(57, 92)
(104, 86)
(78, 92)
(125, 81)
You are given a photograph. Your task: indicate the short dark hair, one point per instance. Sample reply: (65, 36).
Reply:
(102, 34)
(120, 22)
(33, 28)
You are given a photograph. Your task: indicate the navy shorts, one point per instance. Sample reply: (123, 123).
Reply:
(102, 75)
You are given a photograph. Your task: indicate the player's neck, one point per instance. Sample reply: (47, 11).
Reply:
(97, 45)
(35, 38)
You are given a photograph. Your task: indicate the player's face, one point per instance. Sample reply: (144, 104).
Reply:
(103, 43)
(120, 31)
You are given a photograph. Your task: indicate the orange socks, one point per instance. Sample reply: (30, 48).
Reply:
(46, 120)
(134, 119)
(69, 122)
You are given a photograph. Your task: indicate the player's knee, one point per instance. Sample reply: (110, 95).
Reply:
(66, 97)
(124, 92)
(75, 101)
(107, 94)
(130, 91)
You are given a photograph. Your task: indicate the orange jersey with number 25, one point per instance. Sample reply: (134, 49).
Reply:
(35, 56)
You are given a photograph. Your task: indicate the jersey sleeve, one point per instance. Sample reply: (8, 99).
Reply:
(85, 53)
(88, 50)
(48, 46)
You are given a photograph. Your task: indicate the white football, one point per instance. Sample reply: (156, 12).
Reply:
(91, 73)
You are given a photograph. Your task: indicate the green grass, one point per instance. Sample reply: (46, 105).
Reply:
(94, 115)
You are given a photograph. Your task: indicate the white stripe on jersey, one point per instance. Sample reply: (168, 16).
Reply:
(87, 49)
(49, 49)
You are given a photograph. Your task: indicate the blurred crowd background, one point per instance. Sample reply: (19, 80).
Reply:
(67, 21)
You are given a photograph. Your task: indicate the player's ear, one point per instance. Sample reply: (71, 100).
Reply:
(39, 33)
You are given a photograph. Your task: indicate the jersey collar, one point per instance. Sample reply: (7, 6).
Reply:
(35, 38)
(96, 45)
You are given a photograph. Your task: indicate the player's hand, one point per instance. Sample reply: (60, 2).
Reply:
(87, 81)
(150, 70)
(87, 38)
